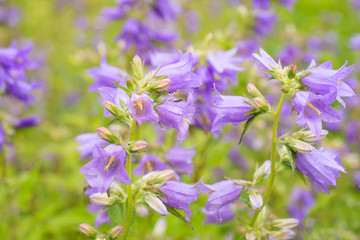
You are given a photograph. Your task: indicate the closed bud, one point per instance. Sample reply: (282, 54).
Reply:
(116, 111)
(310, 137)
(88, 230)
(241, 182)
(163, 85)
(138, 146)
(298, 145)
(167, 175)
(260, 103)
(256, 200)
(286, 223)
(291, 71)
(115, 232)
(155, 203)
(137, 67)
(284, 234)
(254, 92)
(107, 135)
(137, 61)
(116, 189)
(102, 199)
(263, 171)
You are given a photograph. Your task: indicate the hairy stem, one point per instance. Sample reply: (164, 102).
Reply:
(273, 159)
(129, 189)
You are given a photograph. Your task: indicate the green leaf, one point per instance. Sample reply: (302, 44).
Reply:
(116, 214)
(246, 126)
(178, 215)
(244, 197)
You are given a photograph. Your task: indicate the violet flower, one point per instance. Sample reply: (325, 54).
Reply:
(221, 194)
(320, 166)
(181, 160)
(102, 214)
(149, 163)
(301, 201)
(265, 62)
(313, 109)
(264, 22)
(115, 96)
(289, 4)
(141, 108)
(89, 141)
(179, 195)
(2, 137)
(107, 165)
(224, 214)
(166, 9)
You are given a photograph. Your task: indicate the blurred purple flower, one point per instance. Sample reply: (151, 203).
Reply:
(355, 42)
(301, 201)
(181, 159)
(289, 4)
(149, 163)
(166, 9)
(291, 54)
(10, 15)
(264, 22)
(26, 122)
(89, 141)
(356, 176)
(114, 95)
(102, 214)
(224, 214)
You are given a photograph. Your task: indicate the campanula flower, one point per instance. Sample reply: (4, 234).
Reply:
(88, 141)
(141, 108)
(224, 214)
(181, 159)
(149, 163)
(301, 201)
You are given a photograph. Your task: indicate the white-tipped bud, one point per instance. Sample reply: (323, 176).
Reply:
(115, 110)
(250, 236)
(256, 200)
(167, 174)
(310, 137)
(285, 223)
(155, 203)
(137, 67)
(138, 146)
(116, 189)
(260, 103)
(115, 232)
(137, 61)
(107, 135)
(263, 171)
(160, 229)
(254, 92)
(102, 199)
(284, 234)
(163, 84)
(299, 146)
(88, 230)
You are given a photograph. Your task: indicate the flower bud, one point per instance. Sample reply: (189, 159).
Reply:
(254, 92)
(102, 199)
(263, 171)
(260, 103)
(256, 200)
(163, 85)
(155, 203)
(298, 145)
(291, 71)
(310, 137)
(137, 67)
(116, 111)
(167, 175)
(116, 189)
(285, 223)
(284, 234)
(250, 236)
(107, 135)
(115, 232)
(88, 230)
(137, 146)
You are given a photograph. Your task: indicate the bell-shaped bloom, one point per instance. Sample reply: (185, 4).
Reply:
(264, 4)
(26, 122)
(88, 142)
(355, 42)
(301, 201)
(265, 62)
(291, 54)
(322, 167)
(102, 214)
(106, 75)
(149, 163)
(118, 12)
(221, 194)
(264, 22)
(141, 108)
(181, 160)
(166, 9)
(230, 109)
(177, 115)
(107, 165)
(180, 73)
(115, 96)
(179, 195)
(313, 109)
(224, 214)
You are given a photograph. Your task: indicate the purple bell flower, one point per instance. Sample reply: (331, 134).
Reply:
(180, 73)
(181, 160)
(118, 12)
(114, 95)
(177, 115)
(26, 122)
(106, 76)
(89, 141)
(225, 214)
(320, 166)
(179, 195)
(2, 137)
(289, 4)
(264, 22)
(356, 176)
(265, 62)
(355, 42)
(230, 109)
(166, 9)
(221, 195)
(264, 4)
(141, 108)
(149, 163)
(102, 214)
(301, 201)
(313, 109)
(107, 165)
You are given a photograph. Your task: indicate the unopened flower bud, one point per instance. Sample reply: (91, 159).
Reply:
(254, 92)
(116, 111)
(260, 103)
(88, 230)
(115, 232)
(263, 171)
(155, 203)
(102, 199)
(163, 85)
(137, 67)
(284, 234)
(298, 145)
(291, 71)
(107, 135)
(310, 137)
(256, 200)
(138, 146)
(137, 60)
(116, 189)
(285, 223)
(167, 174)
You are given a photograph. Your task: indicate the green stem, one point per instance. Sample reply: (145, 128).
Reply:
(129, 187)
(201, 157)
(273, 159)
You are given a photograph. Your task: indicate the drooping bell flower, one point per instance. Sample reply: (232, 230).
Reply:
(264, 22)
(301, 201)
(141, 108)
(180, 73)
(118, 12)
(88, 142)
(322, 167)
(221, 194)
(224, 214)
(149, 163)
(26, 122)
(181, 160)
(265, 62)
(166, 9)
(107, 165)
(230, 109)
(177, 115)
(106, 76)
(313, 109)
(179, 195)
